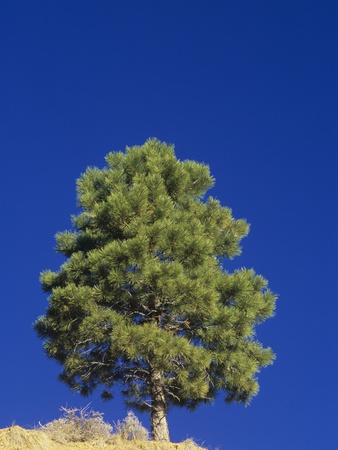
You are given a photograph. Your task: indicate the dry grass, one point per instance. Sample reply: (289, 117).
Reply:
(16, 438)
(84, 429)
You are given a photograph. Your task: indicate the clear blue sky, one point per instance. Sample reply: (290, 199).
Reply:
(248, 87)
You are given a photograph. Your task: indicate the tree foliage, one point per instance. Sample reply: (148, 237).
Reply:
(143, 301)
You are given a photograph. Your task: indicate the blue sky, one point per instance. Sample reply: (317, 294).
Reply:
(248, 87)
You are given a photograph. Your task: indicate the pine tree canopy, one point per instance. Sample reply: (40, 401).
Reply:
(142, 301)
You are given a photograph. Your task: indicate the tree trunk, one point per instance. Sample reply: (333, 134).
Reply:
(158, 418)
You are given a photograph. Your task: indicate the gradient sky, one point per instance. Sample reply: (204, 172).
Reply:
(248, 87)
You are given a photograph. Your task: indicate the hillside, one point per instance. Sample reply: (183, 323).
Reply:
(17, 438)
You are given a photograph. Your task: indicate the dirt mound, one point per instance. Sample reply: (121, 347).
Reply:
(17, 438)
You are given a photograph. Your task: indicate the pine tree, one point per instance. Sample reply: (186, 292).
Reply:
(142, 301)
